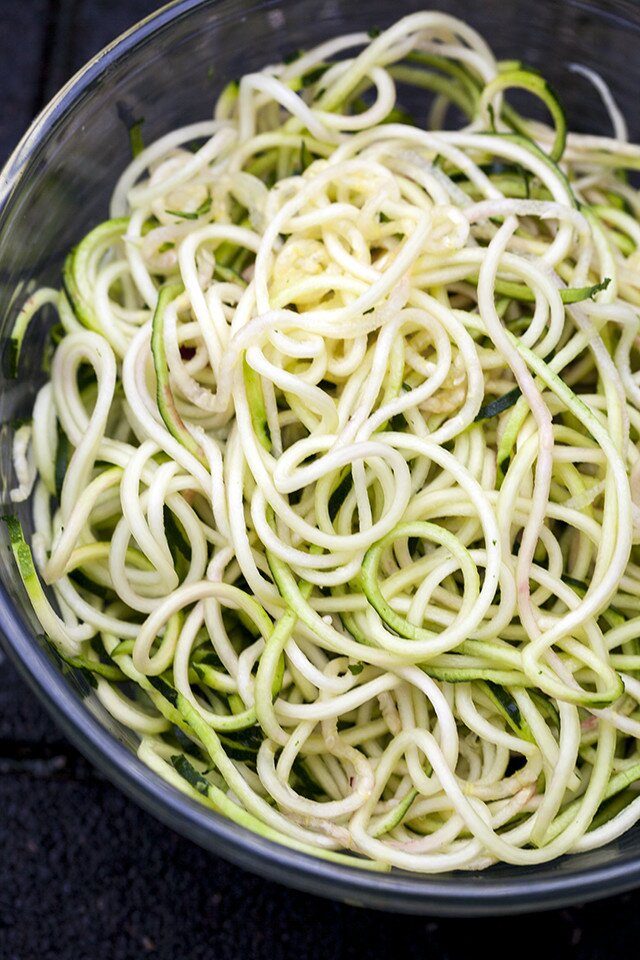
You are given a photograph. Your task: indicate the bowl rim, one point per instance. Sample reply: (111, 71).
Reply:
(454, 894)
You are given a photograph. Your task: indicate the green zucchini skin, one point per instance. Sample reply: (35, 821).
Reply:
(164, 394)
(75, 279)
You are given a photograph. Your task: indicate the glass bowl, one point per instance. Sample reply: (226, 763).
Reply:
(168, 70)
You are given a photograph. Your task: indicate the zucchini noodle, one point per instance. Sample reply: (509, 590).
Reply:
(336, 475)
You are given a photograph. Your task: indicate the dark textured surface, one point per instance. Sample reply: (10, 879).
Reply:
(86, 874)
